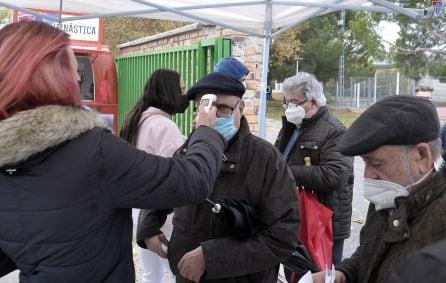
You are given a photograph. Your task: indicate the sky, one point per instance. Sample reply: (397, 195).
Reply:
(389, 32)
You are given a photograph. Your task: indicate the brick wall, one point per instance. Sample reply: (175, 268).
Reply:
(246, 48)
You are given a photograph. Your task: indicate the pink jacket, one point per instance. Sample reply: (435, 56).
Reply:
(159, 135)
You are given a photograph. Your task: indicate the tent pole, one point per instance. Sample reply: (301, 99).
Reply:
(191, 16)
(60, 11)
(27, 11)
(264, 81)
(397, 9)
(264, 86)
(321, 4)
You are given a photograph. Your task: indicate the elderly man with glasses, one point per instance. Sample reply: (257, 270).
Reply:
(205, 247)
(424, 91)
(310, 132)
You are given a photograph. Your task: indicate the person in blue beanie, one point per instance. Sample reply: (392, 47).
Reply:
(233, 68)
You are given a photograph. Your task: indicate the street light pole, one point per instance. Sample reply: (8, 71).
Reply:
(297, 64)
(340, 90)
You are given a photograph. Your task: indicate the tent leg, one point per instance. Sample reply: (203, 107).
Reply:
(264, 86)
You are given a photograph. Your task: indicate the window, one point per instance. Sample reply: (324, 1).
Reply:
(86, 83)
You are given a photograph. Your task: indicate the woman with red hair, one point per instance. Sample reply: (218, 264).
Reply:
(67, 185)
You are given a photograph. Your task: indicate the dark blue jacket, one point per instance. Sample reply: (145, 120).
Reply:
(67, 191)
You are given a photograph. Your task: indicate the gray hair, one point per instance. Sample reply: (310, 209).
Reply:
(423, 88)
(435, 148)
(310, 87)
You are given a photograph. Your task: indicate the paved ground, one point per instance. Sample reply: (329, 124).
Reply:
(359, 211)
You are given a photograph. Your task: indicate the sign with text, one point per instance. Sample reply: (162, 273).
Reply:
(438, 6)
(82, 30)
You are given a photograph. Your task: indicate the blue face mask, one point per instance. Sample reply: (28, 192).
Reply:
(225, 126)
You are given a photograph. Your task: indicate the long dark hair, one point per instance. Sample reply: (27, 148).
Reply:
(163, 91)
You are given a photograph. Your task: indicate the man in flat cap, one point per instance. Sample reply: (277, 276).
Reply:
(424, 91)
(398, 139)
(207, 248)
(310, 132)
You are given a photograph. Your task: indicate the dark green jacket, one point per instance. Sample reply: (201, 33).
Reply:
(418, 220)
(331, 173)
(254, 171)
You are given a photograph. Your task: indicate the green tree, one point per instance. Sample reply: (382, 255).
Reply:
(322, 43)
(285, 49)
(362, 44)
(119, 30)
(318, 43)
(5, 15)
(421, 47)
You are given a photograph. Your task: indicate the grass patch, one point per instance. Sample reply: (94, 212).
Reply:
(274, 109)
(346, 116)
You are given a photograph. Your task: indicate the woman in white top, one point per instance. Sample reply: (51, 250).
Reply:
(149, 127)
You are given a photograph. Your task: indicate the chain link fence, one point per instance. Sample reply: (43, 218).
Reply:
(361, 92)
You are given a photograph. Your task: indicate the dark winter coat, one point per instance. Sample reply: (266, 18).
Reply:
(443, 137)
(425, 265)
(254, 171)
(67, 187)
(331, 173)
(385, 240)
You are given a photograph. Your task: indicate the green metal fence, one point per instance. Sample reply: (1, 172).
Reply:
(192, 62)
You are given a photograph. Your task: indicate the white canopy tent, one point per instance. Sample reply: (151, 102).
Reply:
(262, 18)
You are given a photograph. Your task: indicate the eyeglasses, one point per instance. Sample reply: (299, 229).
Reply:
(292, 105)
(223, 110)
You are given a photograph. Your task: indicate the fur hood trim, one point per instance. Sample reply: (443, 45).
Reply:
(32, 131)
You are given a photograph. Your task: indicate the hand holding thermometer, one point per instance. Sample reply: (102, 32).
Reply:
(206, 101)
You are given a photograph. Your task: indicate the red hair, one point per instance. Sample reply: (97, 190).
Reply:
(35, 68)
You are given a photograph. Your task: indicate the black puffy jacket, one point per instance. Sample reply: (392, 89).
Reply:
(68, 187)
(331, 173)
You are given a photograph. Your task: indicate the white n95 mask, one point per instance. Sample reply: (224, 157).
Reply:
(383, 193)
(295, 115)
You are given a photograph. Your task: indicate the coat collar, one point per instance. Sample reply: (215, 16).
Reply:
(153, 111)
(411, 206)
(232, 154)
(32, 131)
(288, 128)
(307, 121)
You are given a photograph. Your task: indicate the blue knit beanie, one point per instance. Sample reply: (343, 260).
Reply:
(231, 67)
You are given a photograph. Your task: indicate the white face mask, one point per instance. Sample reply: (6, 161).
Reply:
(383, 193)
(295, 115)
(244, 84)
